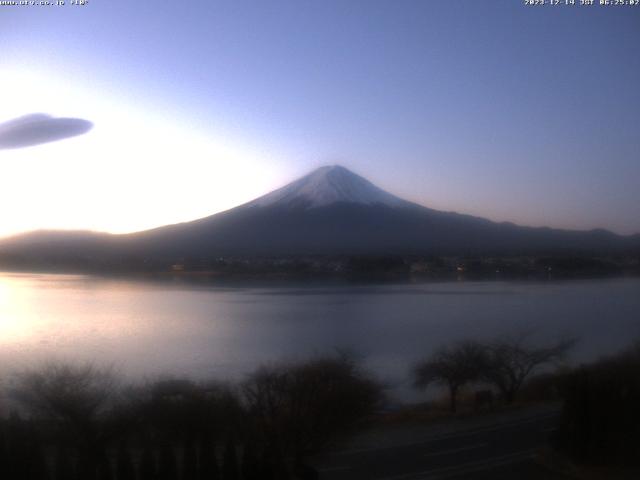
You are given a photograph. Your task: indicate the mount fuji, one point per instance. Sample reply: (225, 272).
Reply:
(329, 211)
(327, 185)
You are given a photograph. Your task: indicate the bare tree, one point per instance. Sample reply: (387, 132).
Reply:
(74, 394)
(169, 407)
(453, 367)
(303, 406)
(509, 361)
(75, 399)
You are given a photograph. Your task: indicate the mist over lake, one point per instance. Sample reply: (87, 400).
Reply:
(146, 329)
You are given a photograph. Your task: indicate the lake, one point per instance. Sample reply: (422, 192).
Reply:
(146, 329)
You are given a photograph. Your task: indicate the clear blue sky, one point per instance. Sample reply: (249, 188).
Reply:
(511, 112)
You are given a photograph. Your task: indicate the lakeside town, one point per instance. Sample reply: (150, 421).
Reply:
(374, 267)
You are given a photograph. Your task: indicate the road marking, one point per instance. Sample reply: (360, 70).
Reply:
(456, 450)
(486, 464)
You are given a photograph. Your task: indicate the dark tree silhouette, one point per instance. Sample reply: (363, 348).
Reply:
(274, 466)
(300, 408)
(148, 470)
(36, 467)
(65, 392)
(74, 398)
(104, 470)
(452, 367)
(250, 464)
(509, 361)
(16, 447)
(125, 469)
(174, 408)
(168, 468)
(304, 471)
(600, 420)
(230, 461)
(208, 465)
(63, 464)
(91, 429)
(189, 461)
(4, 454)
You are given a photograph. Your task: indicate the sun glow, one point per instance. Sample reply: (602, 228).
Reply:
(136, 169)
(12, 325)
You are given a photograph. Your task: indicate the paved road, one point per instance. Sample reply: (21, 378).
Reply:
(497, 446)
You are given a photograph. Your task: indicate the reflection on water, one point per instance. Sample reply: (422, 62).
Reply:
(148, 328)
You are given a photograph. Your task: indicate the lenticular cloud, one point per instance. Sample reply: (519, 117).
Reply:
(38, 128)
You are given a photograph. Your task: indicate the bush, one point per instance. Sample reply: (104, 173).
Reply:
(90, 428)
(600, 422)
(302, 407)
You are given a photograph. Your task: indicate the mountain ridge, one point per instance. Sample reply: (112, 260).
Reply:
(329, 211)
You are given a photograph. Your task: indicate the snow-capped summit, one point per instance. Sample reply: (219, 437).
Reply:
(325, 186)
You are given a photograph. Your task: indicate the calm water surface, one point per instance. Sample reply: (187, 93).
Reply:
(146, 329)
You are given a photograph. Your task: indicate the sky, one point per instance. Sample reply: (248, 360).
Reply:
(492, 108)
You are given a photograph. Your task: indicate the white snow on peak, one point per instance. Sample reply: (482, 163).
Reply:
(325, 186)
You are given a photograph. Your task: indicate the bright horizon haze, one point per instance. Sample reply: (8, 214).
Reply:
(495, 109)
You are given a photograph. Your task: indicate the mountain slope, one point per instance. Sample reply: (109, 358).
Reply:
(334, 211)
(329, 211)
